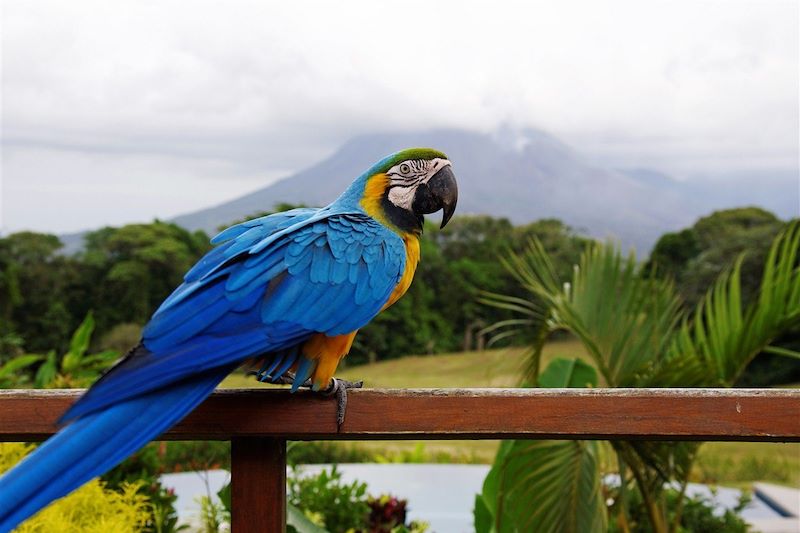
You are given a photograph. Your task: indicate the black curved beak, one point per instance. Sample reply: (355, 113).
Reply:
(440, 192)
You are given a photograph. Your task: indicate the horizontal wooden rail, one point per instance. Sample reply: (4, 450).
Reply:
(652, 414)
(259, 421)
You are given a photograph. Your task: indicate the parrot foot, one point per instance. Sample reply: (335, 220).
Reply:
(338, 388)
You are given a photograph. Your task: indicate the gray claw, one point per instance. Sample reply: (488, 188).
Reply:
(339, 388)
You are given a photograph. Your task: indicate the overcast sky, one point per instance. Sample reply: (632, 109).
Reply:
(126, 110)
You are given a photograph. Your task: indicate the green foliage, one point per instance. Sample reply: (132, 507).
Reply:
(34, 285)
(298, 522)
(542, 485)
(673, 251)
(329, 502)
(568, 373)
(9, 372)
(76, 368)
(93, 508)
(441, 312)
(725, 333)
(135, 267)
(644, 338)
(124, 273)
(212, 515)
(539, 485)
(693, 514)
(696, 256)
(11, 345)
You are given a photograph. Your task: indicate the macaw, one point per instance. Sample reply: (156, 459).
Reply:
(288, 290)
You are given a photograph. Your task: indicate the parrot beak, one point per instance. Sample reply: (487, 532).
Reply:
(439, 192)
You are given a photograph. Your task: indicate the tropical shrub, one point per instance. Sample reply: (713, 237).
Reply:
(638, 334)
(561, 477)
(329, 502)
(76, 368)
(93, 508)
(694, 514)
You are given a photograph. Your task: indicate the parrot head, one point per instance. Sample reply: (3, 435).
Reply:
(406, 185)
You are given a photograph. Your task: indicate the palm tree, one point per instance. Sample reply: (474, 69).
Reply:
(637, 334)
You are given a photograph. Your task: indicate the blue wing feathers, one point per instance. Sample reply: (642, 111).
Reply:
(339, 272)
(299, 264)
(362, 288)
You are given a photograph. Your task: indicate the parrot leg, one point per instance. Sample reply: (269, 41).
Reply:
(338, 387)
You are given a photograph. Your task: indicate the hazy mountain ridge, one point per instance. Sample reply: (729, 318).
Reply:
(525, 176)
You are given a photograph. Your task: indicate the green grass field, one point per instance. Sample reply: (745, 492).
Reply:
(490, 368)
(719, 462)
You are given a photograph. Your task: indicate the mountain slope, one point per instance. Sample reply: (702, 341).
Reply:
(523, 177)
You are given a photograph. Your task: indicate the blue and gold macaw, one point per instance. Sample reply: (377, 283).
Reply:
(288, 290)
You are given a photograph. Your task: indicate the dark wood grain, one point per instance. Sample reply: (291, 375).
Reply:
(258, 485)
(653, 414)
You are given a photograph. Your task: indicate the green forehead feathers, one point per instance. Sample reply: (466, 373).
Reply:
(410, 153)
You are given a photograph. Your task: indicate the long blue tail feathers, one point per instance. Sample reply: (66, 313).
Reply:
(95, 443)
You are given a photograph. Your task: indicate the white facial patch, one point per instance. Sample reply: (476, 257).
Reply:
(406, 177)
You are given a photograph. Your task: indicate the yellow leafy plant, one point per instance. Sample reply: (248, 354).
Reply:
(90, 509)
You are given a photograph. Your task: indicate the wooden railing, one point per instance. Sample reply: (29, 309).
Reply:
(259, 422)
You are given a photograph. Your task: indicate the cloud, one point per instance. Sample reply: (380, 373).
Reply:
(243, 91)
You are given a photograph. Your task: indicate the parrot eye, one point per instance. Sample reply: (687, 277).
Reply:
(404, 168)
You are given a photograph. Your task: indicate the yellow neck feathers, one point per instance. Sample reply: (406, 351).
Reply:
(373, 196)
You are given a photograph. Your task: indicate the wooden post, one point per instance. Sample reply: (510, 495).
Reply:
(258, 485)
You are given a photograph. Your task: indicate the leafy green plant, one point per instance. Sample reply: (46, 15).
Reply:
(11, 344)
(75, 368)
(329, 502)
(562, 477)
(696, 513)
(9, 372)
(637, 333)
(212, 515)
